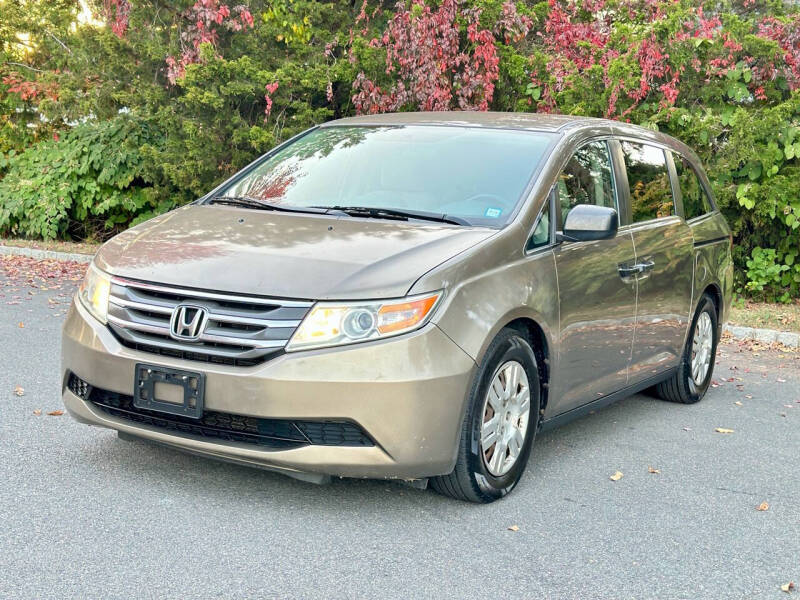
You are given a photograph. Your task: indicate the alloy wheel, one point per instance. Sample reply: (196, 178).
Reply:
(506, 413)
(702, 344)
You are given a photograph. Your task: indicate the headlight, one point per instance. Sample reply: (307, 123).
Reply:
(93, 293)
(336, 323)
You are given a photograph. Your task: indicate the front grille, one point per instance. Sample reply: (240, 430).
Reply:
(276, 434)
(240, 330)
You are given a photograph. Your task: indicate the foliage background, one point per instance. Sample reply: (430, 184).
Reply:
(112, 111)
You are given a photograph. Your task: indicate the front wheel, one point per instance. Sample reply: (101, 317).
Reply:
(690, 382)
(500, 423)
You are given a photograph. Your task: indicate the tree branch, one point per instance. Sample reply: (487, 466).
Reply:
(63, 45)
(16, 64)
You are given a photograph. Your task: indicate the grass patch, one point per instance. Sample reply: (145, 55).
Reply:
(785, 317)
(55, 246)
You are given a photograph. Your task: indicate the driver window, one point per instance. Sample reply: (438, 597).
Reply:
(587, 178)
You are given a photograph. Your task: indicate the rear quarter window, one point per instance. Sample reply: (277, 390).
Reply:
(696, 202)
(648, 181)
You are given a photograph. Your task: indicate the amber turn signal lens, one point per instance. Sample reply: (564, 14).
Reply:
(396, 317)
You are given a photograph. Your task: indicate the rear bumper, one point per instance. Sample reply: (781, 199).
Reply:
(407, 393)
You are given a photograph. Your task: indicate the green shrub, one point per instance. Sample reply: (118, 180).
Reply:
(765, 274)
(91, 182)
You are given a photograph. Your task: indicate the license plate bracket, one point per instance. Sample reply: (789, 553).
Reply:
(150, 377)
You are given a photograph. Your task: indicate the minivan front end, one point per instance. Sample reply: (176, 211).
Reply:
(388, 407)
(280, 321)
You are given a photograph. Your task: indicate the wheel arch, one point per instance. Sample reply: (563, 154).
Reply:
(535, 334)
(714, 291)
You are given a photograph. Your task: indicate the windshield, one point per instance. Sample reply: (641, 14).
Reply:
(476, 174)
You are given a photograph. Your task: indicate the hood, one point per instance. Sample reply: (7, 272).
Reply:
(283, 255)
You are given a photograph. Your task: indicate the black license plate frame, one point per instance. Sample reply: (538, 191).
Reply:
(193, 384)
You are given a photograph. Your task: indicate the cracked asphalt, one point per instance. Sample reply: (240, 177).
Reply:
(86, 515)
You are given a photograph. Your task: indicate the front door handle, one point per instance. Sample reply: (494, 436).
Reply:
(631, 270)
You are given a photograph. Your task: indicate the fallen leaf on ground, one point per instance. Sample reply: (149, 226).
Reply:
(652, 470)
(723, 430)
(37, 411)
(762, 507)
(616, 476)
(19, 390)
(55, 413)
(514, 528)
(787, 587)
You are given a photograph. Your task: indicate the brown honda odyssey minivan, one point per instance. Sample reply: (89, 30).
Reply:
(408, 296)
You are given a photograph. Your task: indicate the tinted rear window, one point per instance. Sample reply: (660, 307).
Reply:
(648, 180)
(695, 200)
(476, 174)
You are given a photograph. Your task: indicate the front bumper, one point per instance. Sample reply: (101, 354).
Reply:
(408, 393)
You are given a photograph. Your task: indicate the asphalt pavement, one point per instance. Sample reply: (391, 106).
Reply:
(86, 515)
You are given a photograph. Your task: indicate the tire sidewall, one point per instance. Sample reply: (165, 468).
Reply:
(694, 391)
(511, 347)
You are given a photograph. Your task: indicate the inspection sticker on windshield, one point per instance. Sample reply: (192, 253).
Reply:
(493, 212)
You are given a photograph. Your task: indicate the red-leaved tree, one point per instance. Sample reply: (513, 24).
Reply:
(203, 20)
(432, 63)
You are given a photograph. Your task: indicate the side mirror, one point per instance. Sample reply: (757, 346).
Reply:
(587, 222)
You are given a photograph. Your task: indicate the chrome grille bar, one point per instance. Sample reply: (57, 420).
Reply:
(214, 316)
(209, 295)
(205, 337)
(156, 308)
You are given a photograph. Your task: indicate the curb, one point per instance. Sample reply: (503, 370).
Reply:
(766, 336)
(45, 254)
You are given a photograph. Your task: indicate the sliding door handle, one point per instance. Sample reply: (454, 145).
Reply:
(646, 265)
(629, 270)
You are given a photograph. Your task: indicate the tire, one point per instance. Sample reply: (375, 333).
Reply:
(472, 479)
(682, 386)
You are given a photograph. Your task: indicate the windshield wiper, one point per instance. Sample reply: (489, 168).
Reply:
(397, 214)
(250, 202)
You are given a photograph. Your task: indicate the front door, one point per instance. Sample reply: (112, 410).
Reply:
(663, 243)
(597, 295)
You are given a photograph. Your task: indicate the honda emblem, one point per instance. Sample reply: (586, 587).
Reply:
(188, 322)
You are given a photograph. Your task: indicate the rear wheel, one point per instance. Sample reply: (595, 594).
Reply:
(499, 425)
(690, 382)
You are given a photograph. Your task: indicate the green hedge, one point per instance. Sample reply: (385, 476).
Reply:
(93, 179)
